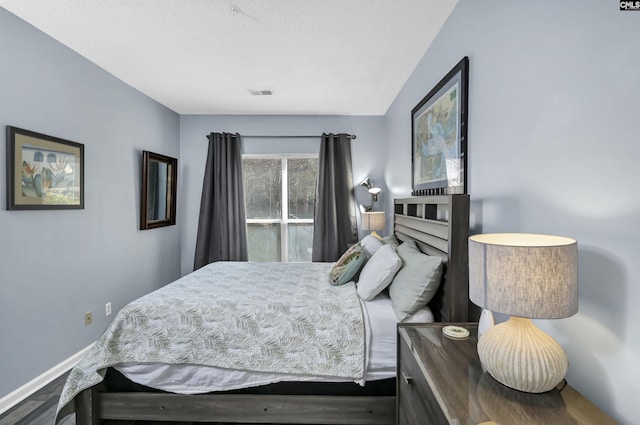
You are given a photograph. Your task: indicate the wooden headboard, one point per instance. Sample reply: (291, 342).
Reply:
(440, 226)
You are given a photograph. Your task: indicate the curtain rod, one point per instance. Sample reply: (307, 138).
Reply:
(349, 136)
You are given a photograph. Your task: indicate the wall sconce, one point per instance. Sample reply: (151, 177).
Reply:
(527, 277)
(373, 191)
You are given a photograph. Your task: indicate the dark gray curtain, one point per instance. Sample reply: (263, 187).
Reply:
(335, 225)
(222, 232)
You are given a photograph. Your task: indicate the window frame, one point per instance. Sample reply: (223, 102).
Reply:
(284, 221)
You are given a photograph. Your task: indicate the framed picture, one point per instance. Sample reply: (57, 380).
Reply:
(43, 172)
(439, 136)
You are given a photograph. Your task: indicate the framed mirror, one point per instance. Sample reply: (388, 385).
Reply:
(159, 186)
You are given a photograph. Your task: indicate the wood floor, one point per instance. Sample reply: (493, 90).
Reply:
(40, 409)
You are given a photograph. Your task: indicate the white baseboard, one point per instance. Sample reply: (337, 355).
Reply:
(15, 397)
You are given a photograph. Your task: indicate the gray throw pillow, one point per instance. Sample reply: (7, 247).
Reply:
(370, 244)
(416, 282)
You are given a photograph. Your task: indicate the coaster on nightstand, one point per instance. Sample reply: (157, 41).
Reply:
(455, 332)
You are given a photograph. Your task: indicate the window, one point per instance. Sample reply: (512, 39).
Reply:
(280, 193)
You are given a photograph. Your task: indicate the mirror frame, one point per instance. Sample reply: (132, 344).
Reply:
(172, 184)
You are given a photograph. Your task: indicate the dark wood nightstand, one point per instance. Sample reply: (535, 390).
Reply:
(441, 381)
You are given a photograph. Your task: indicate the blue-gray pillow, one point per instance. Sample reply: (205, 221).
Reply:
(416, 282)
(391, 240)
(348, 265)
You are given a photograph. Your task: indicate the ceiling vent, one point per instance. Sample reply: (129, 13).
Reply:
(261, 92)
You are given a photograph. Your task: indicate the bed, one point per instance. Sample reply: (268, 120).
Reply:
(320, 390)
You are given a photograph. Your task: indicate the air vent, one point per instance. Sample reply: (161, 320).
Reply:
(261, 92)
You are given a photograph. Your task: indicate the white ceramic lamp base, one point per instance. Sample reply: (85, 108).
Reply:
(485, 322)
(521, 356)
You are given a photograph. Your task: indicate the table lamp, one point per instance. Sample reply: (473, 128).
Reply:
(373, 220)
(526, 276)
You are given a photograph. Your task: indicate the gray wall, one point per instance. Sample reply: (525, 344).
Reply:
(553, 148)
(367, 154)
(56, 265)
(554, 93)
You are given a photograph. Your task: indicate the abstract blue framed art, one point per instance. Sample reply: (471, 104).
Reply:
(439, 136)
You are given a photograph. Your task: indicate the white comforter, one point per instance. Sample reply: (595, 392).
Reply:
(380, 324)
(255, 317)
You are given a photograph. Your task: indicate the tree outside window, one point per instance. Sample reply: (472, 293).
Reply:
(280, 195)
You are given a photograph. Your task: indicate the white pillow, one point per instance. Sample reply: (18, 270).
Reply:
(370, 244)
(424, 315)
(378, 272)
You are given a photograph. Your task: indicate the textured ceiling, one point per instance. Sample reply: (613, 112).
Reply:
(346, 57)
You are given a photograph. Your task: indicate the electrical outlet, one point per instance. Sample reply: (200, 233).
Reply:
(88, 318)
(107, 309)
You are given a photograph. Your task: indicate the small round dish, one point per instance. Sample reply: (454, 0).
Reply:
(455, 332)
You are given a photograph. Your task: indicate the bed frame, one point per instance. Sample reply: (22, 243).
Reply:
(438, 224)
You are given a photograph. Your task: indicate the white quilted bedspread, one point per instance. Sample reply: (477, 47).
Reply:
(263, 317)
